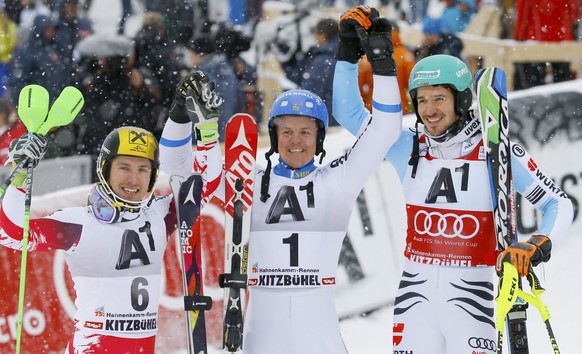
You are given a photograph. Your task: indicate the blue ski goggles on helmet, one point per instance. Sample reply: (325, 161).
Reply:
(102, 206)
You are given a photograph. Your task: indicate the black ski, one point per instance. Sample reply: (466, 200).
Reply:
(187, 194)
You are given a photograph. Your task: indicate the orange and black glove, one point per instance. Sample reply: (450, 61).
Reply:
(349, 48)
(523, 254)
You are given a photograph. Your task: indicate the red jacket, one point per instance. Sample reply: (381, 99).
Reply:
(546, 20)
(13, 132)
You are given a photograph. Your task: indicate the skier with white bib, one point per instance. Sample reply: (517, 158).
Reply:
(300, 212)
(445, 300)
(114, 246)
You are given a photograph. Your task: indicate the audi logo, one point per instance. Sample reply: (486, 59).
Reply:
(447, 225)
(481, 343)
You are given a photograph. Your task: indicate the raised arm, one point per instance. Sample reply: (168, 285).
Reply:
(382, 129)
(196, 105)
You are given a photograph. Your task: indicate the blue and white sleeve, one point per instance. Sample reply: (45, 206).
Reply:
(538, 189)
(176, 154)
(347, 104)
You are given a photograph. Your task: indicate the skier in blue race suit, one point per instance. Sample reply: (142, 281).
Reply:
(445, 300)
(300, 211)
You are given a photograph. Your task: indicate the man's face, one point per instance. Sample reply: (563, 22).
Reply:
(297, 139)
(129, 177)
(436, 108)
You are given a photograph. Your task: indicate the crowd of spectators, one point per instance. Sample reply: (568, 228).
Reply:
(40, 42)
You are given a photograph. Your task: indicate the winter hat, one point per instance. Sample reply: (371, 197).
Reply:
(328, 27)
(432, 25)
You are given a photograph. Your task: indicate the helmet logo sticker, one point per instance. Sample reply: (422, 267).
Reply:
(462, 72)
(139, 136)
(429, 74)
(137, 143)
(309, 104)
(284, 103)
(295, 106)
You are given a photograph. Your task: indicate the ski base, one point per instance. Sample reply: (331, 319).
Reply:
(493, 108)
(241, 149)
(187, 195)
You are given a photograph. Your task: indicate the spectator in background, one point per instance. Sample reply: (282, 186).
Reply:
(418, 10)
(250, 97)
(314, 71)
(404, 62)
(126, 11)
(13, 9)
(435, 41)
(548, 21)
(212, 54)
(70, 30)
(7, 47)
(457, 16)
(116, 94)
(156, 54)
(86, 7)
(39, 61)
(181, 15)
(10, 128)
(29, 10)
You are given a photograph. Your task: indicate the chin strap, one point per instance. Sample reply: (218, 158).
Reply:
(265, 179)
(415, 151)
(266, 176)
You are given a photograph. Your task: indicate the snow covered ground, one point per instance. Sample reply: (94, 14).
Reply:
(372, 333)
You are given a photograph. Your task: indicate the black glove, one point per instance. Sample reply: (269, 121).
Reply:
(195, 100)
(29, 145)
(349, 48)
(377, 44)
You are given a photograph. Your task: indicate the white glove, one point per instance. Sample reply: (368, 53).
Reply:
(29, 145)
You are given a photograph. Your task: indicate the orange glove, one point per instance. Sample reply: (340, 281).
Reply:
(521, 254)
(348, 48)
(361, 15)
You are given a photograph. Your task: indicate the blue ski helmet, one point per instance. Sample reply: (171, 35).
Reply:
(299, 103)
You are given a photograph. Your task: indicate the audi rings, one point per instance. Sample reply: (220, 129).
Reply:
(447, 225)
(482, 343)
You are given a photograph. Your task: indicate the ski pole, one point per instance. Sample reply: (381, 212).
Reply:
(509, 291)
(24, 253)
(536, 299)
(32, 109)
(506, 297)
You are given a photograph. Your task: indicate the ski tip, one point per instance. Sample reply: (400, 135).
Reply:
(72, 101)
(244, 116)
(494, 77)
(64, 110)
(499, 81)
(478, 75)
(33, 102)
